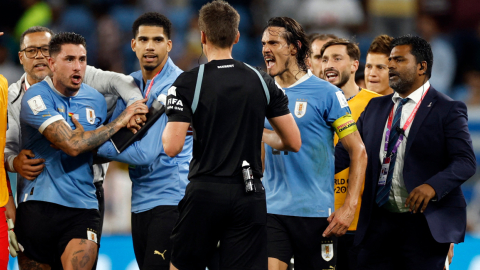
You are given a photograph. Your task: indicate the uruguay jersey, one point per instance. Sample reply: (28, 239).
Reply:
(301, 184)
(157, 178)
(65, 180)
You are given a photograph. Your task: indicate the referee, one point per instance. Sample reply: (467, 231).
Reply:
(226, 102)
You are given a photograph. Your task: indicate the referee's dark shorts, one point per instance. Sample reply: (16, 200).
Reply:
(218, 209)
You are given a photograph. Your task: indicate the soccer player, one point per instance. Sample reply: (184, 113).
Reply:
(57, 215)
(299, 186)
(316, 43)
(158, 181)
(33, 55)
(376, 68)
(340, 63)
(226, 102)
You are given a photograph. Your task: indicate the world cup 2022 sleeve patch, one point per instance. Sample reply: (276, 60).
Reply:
(344, 126)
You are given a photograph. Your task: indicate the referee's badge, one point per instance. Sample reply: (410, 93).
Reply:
(327, 251)
(90, 116)
(300, 108)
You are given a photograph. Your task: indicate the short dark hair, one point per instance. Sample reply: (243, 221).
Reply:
(152, 19)
(293, 35)
(219, 21)
(62, 38)
(352, 48)
(316, 36)
(420, 48)
(381, 44)
(34, 29)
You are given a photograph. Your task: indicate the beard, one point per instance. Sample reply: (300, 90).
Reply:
(151, 67)
(404, 81)
(345, 76)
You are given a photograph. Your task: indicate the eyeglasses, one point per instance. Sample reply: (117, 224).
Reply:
(31, 52)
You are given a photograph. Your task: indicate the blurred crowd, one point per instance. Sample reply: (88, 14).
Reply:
(451, 26)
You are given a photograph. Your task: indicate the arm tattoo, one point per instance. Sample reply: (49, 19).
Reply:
(61, 135)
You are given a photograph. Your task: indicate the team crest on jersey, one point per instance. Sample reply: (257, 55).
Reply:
(327, 251)
(90, 116)
(92, 235)
(300, 108)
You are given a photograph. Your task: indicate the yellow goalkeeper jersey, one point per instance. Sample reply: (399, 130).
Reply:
(357, 105)
(3, 137)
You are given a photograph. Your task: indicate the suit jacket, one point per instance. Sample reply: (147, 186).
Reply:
(439, 152)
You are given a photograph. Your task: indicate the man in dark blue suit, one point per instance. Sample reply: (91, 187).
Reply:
(419, 153)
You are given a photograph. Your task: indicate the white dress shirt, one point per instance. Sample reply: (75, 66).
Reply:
(398, 192)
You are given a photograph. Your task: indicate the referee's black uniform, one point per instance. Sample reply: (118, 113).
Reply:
(226, 102)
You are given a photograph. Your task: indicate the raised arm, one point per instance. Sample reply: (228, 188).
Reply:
(75, 142)
(285, 135)
(108, 82)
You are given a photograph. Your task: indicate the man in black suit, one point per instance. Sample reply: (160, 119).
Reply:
(419, 138)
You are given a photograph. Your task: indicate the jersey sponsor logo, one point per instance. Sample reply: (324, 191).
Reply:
(300, 108)
(36, 104)
(226, 66)
(172, 91)
(341, 99)
(174, 104)
(90, 116)
(92, 235)
(327, 251)
(156, 252)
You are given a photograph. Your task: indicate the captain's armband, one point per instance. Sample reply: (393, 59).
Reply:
(344, 126)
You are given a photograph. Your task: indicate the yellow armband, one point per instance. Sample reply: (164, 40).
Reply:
(344, 126)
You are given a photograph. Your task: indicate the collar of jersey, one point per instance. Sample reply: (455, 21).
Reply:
(302, 79)
(50, 83)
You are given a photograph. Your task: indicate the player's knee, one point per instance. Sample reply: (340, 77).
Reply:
(79, 254)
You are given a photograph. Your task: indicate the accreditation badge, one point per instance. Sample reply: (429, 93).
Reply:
(90, 116)
(300, 108)
(382, 180)
(327, 251)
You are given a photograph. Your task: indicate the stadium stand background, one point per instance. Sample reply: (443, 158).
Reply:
(451, 26)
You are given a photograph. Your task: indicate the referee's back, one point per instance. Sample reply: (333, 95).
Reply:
(229, 117)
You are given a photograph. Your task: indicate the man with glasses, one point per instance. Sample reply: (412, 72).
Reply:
(34, 56)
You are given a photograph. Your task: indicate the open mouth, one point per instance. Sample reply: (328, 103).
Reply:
(150, 57)
(40, 66)
(270, 61)
(331, 75)
(76, 79)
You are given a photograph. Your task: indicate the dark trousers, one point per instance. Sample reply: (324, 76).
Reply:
(346, 252)
(400, 241)
(151, 232)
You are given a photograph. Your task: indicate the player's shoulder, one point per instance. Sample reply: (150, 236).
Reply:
(368, 94)
(42, 88)
(87, 90)
(320, 86)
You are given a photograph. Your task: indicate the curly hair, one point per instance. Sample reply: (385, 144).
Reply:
(294, 35)
(152, 19)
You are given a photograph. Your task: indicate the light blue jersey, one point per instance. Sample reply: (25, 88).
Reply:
(157, 178)
(65, 180)
(301, 184)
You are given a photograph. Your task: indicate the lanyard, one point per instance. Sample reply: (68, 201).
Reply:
(405, 126)
(151, 83)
